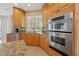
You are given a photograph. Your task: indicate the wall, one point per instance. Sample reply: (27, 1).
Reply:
(18, 17)
(33, 13)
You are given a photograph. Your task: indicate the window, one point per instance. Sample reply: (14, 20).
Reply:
(34, 24)
(5, 27)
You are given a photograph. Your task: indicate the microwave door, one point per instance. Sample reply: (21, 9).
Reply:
(58, 26)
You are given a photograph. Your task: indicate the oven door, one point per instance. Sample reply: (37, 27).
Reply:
(60, 25)
(61, 41)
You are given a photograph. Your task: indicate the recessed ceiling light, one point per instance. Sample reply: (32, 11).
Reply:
(28, 4)
(15, 4)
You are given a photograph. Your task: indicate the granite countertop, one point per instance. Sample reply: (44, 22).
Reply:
(16, 48)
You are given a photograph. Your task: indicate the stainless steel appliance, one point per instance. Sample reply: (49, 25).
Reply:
(60, 33)
(61, 23)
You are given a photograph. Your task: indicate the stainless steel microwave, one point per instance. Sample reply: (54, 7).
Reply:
(61, 23)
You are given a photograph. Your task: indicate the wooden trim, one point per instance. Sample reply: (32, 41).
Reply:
(73, 32)
(20, 9)
(34, 11)
(46, 51)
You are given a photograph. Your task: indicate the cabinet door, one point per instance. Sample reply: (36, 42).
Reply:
(45, 15)
(29, 38)
(18, 17)
(35, 39)
(61, 6)
(52, 7)
(42, 42)
(25, 37)
(66, 7)
(46, 44)
(52, 10)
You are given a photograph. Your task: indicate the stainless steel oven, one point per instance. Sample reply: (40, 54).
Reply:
(61, 41)
(60, 33)
(61, 23)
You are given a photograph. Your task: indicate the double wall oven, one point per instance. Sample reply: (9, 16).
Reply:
(60, 33)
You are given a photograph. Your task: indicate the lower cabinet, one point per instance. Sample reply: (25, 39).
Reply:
(35, 39)
(39, 40)
(44, 43)
(30, 38)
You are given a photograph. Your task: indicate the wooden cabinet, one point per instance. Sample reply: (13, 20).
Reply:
(48, 11)
(46, 44)
(35, 39)
(65, 8)
(62, 6)
(52, 7)
(39, 40)
(31, 38)
(18, 17)
(52, 10)
(45, 15)
(43, 43)
(25, 37)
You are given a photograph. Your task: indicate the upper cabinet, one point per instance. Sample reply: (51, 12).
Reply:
(48, 11)
(18, 17)
(65, 8)
(45, 14)
(52, 10)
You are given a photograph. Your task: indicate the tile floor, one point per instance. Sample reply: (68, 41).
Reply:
(19, 48)
(36, 51)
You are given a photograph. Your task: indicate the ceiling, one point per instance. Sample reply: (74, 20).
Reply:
(33, 7)
(7, 8)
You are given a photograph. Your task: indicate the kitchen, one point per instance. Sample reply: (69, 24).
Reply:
(53, 27)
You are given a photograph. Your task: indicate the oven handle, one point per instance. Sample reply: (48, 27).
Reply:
(59, 31)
